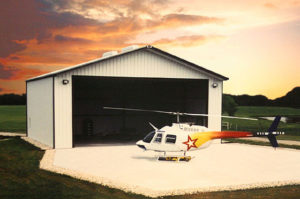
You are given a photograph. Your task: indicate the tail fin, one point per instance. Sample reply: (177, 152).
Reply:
(272, 132)
(274, 125)
(272, 129)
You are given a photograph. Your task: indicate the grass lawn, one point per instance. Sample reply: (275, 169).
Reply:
(292, 130)
(20, 177)
(13, 119)
(261, 111)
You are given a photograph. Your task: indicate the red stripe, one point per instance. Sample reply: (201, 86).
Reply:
(230, 134)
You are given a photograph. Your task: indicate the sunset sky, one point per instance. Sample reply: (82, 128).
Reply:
(255, 43)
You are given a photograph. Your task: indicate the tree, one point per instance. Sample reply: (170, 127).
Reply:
(229, 105)
(12, 99)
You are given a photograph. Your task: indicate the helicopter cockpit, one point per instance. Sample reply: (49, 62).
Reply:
(149, 137)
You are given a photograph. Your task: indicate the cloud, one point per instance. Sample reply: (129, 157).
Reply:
(9, 73)
(9, 46)
(27, 73)
(186, 41)
(270, 5)
(6, 73)
(14, 58)
(149, 7)
(61, 38)
(31, 19)
(185, 19)
(112, 8)
(138, 25)
(40, 19)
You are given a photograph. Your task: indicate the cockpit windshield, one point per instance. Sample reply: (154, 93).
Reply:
(149, 137)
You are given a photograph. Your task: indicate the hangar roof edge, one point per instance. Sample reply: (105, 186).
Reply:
(151, 48)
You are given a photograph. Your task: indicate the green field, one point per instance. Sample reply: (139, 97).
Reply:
(13, 119)
(261, 111)
(292, 130)
(20, 177)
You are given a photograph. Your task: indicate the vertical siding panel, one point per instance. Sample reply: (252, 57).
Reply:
(83, 70)
(143, 61)
(106, 68)
(142, 65)
(215, 106)
(111, 64)
(130, 67)
(40, 110)
(63, 112)
(119, 67)
(94, 70)
(103, 69)
(125, 70)
(97, 67)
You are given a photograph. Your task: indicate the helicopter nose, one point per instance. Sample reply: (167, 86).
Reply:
(141, 145)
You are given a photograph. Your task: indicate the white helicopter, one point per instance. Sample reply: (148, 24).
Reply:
(184, 137)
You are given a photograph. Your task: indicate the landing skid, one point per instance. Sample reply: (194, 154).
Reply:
(175, 158)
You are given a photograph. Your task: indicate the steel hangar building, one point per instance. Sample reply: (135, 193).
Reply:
(65, 107)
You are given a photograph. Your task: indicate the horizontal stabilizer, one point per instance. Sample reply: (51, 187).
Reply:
(272, 132)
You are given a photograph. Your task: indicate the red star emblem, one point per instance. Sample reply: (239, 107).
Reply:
(190, 143)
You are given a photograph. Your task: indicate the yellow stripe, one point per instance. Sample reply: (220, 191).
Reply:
(202, 137)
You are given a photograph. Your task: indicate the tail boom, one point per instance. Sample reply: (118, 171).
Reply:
(230, 134)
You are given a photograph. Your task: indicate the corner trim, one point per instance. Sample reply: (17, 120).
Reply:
(26, 111)
(53, 106)
(72, 104)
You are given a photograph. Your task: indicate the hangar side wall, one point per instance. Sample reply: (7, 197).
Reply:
(136, 64)
(40, 110)
(215, 104)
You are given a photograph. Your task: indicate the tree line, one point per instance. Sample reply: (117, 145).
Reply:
(230, 102)
(12, 99)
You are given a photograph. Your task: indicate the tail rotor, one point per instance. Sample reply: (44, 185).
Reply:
(272, 132)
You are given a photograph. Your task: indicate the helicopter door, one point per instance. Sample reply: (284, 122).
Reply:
(157, 138)
(170, 143)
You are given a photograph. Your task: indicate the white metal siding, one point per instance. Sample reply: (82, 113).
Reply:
(135, 64)
(63, 112)
(40, 110)
(215, 104)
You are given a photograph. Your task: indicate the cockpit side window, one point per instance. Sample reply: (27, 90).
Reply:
(171, 138)
(149, 137)
(158, 138)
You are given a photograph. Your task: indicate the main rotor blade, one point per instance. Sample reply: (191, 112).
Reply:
(224, 116)
(142, 110)
(178, 113)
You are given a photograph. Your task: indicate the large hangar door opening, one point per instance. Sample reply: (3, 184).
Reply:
(93, 124)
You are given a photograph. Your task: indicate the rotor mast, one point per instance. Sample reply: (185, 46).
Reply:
(178, 117)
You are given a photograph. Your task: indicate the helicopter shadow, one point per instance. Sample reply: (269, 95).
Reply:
(152, 159)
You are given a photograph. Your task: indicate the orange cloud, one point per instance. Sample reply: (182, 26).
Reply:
(270, 5)
(6, 73)
(186, 41)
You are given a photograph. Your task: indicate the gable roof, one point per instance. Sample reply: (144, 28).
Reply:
(148, 48)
